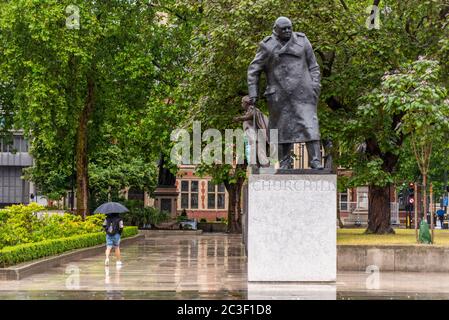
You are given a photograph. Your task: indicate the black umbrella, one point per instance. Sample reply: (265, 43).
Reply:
(111, 207)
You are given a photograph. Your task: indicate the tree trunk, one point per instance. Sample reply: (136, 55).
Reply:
(234, 206)
(431, 212)
(415, 208)
(424, 197)
(340, 223)
(82, 178)
(379, 213)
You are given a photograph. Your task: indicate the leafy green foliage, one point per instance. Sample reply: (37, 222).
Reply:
(113, 170)
(181, 218)
(24, 252)
(414, 95)
(418, 94)
(376, 126)
(144, 217)
(21, 224)
(130, 59)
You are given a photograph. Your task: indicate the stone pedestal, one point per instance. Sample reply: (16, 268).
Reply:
(292, 227)
(165, 199)
(291, 291)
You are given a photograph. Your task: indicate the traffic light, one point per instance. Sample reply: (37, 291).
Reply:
(411, 193)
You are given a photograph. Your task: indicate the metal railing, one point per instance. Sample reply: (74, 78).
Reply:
(354, 207)
(394, 213)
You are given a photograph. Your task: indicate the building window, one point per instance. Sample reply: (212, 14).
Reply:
(4, 145)
(20, 144)
(211, 195)
(184, 194)
(344, 201)
(189, 194)
(17, 144)
(362, 198)
(13, 189)
(215, 196)
(193, 194)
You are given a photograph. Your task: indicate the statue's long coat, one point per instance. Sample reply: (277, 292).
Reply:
(293, 86)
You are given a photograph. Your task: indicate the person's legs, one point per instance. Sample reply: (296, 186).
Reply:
(314, 153)
(109, 245)
(117, 253)
(108, 251)
(117, 249)
(285, 155)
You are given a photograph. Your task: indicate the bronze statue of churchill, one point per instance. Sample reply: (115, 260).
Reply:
(293, 88)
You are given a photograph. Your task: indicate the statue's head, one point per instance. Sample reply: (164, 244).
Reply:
(283, 28)
(246, 102)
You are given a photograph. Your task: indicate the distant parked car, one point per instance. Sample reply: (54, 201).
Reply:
(188, 224)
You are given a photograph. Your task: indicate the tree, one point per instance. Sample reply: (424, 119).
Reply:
(115, 169)
(417, 94)
(374, 133)
(80, 85)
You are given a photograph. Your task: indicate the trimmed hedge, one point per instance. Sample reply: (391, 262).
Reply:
(24, 252)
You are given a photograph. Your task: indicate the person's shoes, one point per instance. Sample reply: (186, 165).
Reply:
(316, 165)
(106, 262)
(118, 264)
(285, 164)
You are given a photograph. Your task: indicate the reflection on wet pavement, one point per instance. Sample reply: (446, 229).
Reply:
(207, 266)
(210, 266)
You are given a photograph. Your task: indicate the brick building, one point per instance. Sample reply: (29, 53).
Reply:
(199, 196)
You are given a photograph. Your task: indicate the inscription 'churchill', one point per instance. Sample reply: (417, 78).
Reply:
(293, 185)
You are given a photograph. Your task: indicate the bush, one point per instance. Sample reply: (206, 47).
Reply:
(143, 217)
(25, 252)
(129, 232)
(20, 224)
(203, 220)
(57, 226)
(181, 218)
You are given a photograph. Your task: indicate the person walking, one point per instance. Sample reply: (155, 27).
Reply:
(113, 226)
(440, 214)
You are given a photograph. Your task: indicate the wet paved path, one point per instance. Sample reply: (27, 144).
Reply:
(174, 266)
(208, 266)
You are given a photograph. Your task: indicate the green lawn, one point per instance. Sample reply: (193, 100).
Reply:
(402, 236)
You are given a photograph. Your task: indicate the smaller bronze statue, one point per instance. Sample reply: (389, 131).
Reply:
(255, 122)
